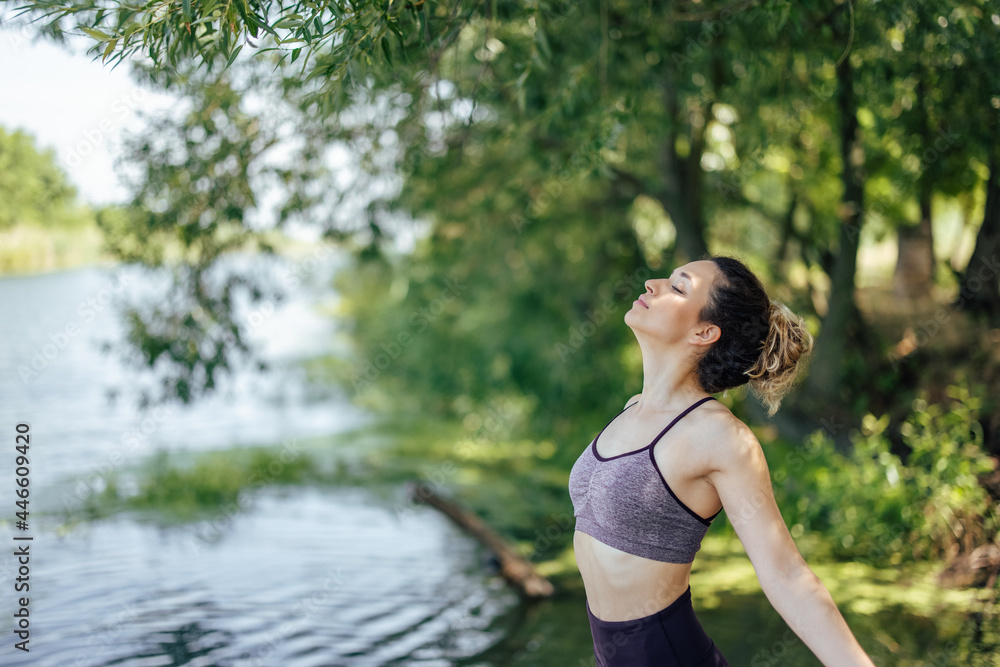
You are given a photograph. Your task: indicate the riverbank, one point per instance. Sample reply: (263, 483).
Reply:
(27, 249)
(183, 487)
(899, 614)
(30, 249)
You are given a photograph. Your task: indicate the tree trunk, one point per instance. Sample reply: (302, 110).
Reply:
(787, 226)
(980, 288)
(914, 272)
(831, 344)
(682, 181)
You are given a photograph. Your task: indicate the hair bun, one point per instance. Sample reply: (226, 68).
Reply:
(786, 342)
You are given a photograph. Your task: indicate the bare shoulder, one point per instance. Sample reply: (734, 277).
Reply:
(729, 442)
(632, 400)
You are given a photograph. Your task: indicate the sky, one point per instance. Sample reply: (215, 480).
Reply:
(72, 104)
(80, 108)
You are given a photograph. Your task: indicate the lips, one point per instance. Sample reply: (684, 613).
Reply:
(644, 305)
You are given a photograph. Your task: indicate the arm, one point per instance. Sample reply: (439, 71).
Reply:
(743, 483)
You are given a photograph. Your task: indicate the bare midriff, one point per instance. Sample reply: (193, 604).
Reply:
(622, 587)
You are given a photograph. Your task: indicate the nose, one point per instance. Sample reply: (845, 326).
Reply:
(649, 287)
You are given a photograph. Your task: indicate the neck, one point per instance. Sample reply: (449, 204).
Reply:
(669, 382)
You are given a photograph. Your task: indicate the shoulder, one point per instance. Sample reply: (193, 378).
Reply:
(632, 400)
(728, 441)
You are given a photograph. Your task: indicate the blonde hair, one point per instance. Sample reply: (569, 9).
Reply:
(788, 340)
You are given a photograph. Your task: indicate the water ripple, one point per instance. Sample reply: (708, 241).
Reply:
(313, 577)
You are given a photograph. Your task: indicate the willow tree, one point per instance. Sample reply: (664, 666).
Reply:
(546, 145)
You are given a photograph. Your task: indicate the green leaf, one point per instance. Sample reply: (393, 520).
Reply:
(386, 50)
(111, 47)
(96, 34)
(232, 57)
(186, 8)
(543, 43)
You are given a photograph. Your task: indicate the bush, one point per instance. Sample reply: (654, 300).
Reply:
(873, 506)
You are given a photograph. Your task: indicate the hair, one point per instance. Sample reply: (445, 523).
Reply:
(762, 340)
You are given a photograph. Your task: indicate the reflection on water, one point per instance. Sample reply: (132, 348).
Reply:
(310, 577)
(58, 382)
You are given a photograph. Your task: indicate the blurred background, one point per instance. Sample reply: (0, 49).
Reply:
(265, 266)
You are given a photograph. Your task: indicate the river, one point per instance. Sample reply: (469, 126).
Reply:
(304, 576)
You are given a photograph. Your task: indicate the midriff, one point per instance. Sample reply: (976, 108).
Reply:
(621, 586)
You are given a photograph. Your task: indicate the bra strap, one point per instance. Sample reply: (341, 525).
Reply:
(677, 419)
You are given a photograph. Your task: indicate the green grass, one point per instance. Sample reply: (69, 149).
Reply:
(178, 486)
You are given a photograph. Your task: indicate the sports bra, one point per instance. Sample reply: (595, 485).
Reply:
(625, 502)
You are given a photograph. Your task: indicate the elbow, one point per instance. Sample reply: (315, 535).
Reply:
(788, 575)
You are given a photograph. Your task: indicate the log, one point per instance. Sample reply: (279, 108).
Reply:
(513, 567)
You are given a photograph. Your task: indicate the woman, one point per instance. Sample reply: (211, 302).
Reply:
(641, 513)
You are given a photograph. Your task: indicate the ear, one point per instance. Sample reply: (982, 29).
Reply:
(706, 334)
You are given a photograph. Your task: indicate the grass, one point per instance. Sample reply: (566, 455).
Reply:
(180, 487)
(28, 248)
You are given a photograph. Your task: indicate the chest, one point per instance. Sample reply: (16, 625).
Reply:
(629, 482)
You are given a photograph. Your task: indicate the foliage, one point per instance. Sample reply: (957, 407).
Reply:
(195, 200)
(534, 162)
(338, 38)
(876, 506)
(662, 131)
(210, 481)
(33, 189)
(488, 318)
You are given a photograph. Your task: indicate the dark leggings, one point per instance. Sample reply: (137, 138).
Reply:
(671, 637)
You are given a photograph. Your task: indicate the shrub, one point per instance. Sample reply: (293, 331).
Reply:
(875, 507)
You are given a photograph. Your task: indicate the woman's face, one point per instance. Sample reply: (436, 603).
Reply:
(669, 309)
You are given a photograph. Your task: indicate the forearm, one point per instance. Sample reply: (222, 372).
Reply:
(808, 608)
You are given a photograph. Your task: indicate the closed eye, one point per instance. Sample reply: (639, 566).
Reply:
(677, 290)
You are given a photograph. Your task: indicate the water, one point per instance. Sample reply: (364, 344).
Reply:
(299, 577)
(310, 578)
(75, 425)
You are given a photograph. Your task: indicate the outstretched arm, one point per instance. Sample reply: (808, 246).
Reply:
(744, 486)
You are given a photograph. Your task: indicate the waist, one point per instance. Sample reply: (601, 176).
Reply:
(621, 586)
(679, 603)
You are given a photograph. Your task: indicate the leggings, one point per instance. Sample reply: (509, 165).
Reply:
(671, 637)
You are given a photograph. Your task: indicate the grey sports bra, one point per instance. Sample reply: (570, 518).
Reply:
(625, 502)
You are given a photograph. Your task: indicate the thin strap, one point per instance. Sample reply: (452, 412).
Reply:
(677, 419)
(612, 419)
(593, 444)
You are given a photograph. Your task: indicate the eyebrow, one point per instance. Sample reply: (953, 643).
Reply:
(683, 274)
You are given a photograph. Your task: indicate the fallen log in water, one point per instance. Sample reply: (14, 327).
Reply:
(514, 568)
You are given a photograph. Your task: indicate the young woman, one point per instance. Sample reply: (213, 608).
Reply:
(642, 511)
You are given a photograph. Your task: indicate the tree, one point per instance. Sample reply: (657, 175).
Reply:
(633, 133)
(33, 189)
